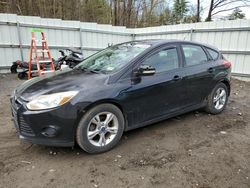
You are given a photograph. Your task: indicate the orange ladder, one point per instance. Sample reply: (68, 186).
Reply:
(40, 61)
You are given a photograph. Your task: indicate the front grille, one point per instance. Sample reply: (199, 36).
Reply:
(20, 123)
(14, 113)
(24, 127)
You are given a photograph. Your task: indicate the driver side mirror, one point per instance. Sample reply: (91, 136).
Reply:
(146, 70)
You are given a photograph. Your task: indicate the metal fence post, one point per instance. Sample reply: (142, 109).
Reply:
(191, 34)
(80, 36)
(133, 36)
(20, 40)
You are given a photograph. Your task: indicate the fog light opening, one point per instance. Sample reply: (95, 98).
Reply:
(50, 131)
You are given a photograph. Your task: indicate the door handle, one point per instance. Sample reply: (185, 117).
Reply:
(176, 78)
(210, 70)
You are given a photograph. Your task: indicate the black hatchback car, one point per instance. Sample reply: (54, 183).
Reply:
(120, 88)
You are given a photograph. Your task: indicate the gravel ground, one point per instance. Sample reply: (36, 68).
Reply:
(193, 150)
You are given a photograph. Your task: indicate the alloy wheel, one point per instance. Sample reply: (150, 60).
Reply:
(219, 99)
(102, 129)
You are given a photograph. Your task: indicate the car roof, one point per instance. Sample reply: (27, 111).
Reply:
(158, 42)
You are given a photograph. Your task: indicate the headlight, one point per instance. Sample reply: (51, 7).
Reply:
(50, 100)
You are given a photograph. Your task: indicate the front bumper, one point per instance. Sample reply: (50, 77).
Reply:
(33, 126)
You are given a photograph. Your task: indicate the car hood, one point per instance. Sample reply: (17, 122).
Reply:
(60, 81)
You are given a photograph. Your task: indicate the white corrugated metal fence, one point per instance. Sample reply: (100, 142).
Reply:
(231, 37)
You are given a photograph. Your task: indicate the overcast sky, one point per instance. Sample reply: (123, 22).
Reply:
(205, 4)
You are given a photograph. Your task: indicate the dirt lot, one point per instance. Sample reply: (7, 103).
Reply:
(193, 150)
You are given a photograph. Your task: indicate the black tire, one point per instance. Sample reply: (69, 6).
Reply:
(13, 69)
(22, 75)
(210, 108)
(83, 126)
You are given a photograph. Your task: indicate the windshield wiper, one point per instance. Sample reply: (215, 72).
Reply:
(77, 68)
(85, 69)
(82, 68)
(98, 71)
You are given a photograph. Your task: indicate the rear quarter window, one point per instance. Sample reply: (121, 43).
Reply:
(214, 54)
(194, 54)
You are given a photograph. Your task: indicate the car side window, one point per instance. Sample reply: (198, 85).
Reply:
(214, 54)
(194, 54)
(163, 60)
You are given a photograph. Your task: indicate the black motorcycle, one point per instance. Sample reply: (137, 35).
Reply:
(69, 57)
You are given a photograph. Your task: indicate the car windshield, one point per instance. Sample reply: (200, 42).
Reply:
(113, 58)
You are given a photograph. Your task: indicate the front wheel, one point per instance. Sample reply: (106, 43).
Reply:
(217, 100)
(100, 129)
(22, 75)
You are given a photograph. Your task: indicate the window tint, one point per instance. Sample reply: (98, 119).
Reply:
(214, 54)
(163, 60)
(194, 55)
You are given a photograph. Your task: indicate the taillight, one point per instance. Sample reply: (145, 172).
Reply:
(227, 64)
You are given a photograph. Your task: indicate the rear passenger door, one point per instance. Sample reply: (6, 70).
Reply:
(199, 73)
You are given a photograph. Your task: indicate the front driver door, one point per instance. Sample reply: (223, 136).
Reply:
(159, 94)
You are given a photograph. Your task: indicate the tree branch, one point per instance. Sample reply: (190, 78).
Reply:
(229, 9)
(230, 2)
(216, 3)
(5, 3)
(18, 7)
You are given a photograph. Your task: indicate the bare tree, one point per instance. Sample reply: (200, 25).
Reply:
(218, 6)
(115, 12)
(198, 11)
(129, 12)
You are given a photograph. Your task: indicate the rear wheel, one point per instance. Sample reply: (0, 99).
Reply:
(22, 75)
(13, 68)
(100, 129)
(217, 100)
